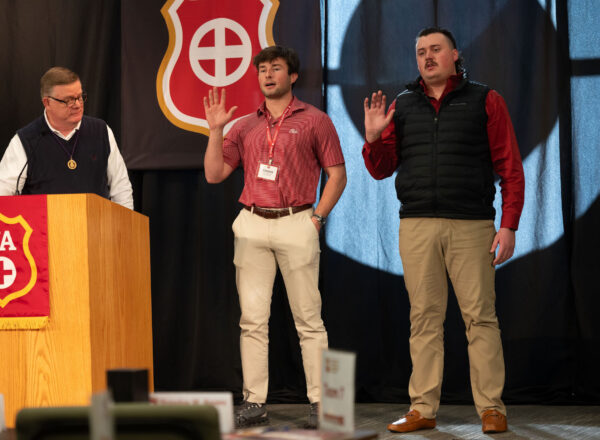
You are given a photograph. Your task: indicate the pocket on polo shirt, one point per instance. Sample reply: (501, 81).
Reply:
(290, 139)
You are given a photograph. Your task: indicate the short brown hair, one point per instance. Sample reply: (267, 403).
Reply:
(459, 63)
(287, 53)
(56, 76)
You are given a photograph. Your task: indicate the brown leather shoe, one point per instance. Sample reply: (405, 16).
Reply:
(412, 421)
(493, 421)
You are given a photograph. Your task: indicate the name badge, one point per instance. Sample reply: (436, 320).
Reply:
(267, 172)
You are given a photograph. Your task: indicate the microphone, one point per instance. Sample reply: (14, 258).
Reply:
(43, 133)
(17, 192)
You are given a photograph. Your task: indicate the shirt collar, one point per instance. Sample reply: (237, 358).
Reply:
(451, 84)
(296, 106)
(58, 133)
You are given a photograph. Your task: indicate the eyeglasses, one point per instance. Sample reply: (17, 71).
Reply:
(70, 102)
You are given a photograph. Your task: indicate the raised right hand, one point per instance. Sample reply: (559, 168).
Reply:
(214, 108)
(375, 118)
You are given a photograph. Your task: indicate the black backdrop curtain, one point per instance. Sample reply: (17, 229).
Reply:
(551, 359)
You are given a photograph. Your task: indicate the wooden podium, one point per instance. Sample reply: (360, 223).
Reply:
(100, 308)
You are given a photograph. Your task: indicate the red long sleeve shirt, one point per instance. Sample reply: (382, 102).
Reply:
(381, 156)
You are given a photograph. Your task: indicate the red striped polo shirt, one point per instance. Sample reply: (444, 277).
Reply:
(307, 142)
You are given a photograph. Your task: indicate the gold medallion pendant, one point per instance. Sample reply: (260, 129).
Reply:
(72, 164)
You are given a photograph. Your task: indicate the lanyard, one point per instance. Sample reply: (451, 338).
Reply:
(271, 140)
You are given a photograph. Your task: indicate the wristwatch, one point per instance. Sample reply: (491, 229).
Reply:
(320, 219)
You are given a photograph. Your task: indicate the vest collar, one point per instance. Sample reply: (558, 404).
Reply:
(458, 81)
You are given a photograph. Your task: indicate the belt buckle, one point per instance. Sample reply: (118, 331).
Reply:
(266, 213)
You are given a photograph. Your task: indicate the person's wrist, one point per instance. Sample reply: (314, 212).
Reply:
(320, 219)
(372, 136)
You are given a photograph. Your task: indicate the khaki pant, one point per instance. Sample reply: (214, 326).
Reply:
(292, 242)
(430, 248)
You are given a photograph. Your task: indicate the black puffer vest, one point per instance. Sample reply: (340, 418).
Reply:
(445, 162)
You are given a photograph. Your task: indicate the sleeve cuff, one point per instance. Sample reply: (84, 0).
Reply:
(510, 221)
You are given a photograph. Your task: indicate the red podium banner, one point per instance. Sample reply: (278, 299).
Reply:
(24, 286)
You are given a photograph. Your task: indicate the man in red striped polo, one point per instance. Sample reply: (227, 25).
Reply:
(282, 147)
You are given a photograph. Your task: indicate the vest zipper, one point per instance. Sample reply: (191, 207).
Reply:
(434, 163)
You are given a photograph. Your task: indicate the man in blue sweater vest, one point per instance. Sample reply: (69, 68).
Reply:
(63, 151)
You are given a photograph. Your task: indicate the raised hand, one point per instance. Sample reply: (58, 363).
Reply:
(375, 118)
(214, 108)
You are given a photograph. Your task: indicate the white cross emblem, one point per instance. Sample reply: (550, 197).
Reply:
(8, 272)
(220, 52)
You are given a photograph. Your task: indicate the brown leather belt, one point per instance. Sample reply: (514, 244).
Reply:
(276, 212)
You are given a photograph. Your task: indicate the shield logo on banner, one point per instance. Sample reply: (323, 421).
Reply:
(18, 271)
(211, 44)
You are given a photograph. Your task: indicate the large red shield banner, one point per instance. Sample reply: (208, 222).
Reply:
(211, 44)
(24, 298)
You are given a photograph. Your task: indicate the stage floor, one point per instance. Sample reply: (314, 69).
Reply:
(461, 421)
(456, 422)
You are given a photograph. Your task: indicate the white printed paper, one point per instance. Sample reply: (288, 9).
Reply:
(336, 412)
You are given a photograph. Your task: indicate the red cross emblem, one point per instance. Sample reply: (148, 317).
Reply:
(211, 44)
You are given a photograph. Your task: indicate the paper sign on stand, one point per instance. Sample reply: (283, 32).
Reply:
(102, 422)
(336, 412)
(222, 401)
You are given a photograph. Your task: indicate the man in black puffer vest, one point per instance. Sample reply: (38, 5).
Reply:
(446, 136)
(63, 151)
